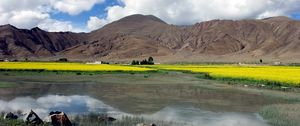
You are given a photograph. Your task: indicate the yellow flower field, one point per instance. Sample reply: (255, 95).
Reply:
(281, 74)
(68, 66)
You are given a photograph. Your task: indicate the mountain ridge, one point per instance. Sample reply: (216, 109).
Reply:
(140, 36)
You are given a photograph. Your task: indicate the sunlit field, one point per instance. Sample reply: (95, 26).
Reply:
(286, 75)
(44, 66)
(282, 75)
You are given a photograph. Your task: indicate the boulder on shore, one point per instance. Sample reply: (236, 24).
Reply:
(10, 116)
(33, 119)
(59, 119)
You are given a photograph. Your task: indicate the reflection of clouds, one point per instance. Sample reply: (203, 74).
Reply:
(206, 118)
(76, 104)
(70, 104)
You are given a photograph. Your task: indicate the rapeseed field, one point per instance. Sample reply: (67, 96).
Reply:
(279, 74)
(52, 66)
(289, 75)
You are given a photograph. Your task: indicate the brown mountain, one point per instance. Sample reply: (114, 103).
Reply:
(22, 43)
(139, 36)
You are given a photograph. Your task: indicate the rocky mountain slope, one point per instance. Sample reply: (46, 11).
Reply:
(140, 36)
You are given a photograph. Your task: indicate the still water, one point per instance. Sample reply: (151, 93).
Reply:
(185, 103)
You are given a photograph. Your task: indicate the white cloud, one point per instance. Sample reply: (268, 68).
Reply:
(55, 25)
(4, 18)
(183, 12)
(95, 23)
(74, 7)
(52, 25)
(32, 13)
(26, 19)
(17, 5)
(22, 13)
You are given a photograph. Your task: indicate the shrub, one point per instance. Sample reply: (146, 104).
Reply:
(150, 61)
(63, 60)
(135, 62)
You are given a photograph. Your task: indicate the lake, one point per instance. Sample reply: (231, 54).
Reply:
(174, 96)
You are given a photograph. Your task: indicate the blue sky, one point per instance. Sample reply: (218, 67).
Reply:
(89, 15)
(296, 16)
(82, 18)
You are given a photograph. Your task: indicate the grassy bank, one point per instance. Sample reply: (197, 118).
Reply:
(7, 84)
(249, 82)
(282, 114)
(92, 120)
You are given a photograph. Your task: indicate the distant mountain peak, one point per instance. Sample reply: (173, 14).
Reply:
(7, 26)
(140, 17)
(278, 18)
(36, 29)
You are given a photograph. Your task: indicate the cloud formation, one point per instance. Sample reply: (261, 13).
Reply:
(95, 23)
(56, 25)
(74, 7)
(186, 12)
(32, 13)
(24, 19)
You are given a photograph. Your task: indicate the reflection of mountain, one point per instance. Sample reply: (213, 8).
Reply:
(140, 36)
(148, 98)
(198, 117)
(76, 104)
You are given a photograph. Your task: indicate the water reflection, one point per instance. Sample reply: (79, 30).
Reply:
(78, 104)
(138, 99)
(207, 118)
(72, 105)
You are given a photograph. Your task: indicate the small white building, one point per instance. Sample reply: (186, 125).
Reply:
(277, 63)
(96, 62)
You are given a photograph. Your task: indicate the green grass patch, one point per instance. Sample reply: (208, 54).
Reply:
(7, 84)
(250, 82)
(92, 120)
(282, 114)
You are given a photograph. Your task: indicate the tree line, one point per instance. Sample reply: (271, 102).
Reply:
(150, 61)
